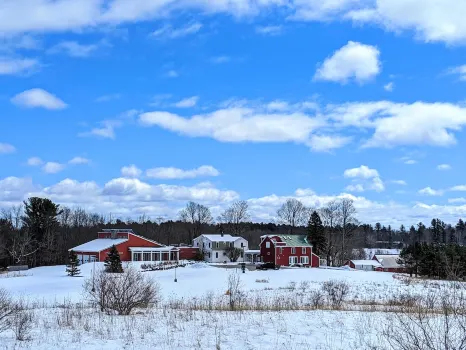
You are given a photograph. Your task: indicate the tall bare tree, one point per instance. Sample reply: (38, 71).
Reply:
(330, 219)
(293, 213)
(347, 226)
(234, 217)
(196, 216)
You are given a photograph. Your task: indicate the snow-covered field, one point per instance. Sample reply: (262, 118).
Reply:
(165, 328)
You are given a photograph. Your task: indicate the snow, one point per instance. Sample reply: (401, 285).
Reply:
(220, 238)
(370, 252)
(366, 263)
(97, 245)
(388, 261)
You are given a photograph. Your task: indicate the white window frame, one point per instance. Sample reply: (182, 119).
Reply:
(217, 244)
(267, 245)
(216, 255)
(293, 260)
(303, 250)
(281, 250)
(293, 250)
(304, 260)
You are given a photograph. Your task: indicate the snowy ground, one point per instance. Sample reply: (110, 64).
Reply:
(165, 328)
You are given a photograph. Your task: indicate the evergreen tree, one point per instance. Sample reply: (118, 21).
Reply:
(316, 233)
(390, 237)
(420, 232)
(73, 263)
(413, 234)
(377, 230)
(113, 261)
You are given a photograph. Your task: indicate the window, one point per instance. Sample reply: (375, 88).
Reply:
(146, 257)
(93, 258)
(305, 260)
(216, 254)
(304, 250)
(242, 245)
(281, 250)
(293, 250)
(209, 245)
(293, 260)
(267, 244)
(217, 244)
(242, 255)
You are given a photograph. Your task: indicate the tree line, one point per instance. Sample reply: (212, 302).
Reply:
(40, 232)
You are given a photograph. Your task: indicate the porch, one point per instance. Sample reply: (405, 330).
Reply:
(155, 254)
(252, 256)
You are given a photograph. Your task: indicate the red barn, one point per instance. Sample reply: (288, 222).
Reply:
(288, 250)
(389, 263)
(131, 247)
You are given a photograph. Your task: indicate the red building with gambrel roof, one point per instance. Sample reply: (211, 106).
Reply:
(288, 250)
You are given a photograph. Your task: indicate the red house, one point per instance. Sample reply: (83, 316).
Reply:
(131, 247)
(288, 250)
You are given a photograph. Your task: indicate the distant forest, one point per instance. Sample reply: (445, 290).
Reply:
(40, 232)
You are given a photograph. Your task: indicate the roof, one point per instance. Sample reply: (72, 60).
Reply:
(370, 252)
(97, 245)
(220, 238)
(252, 252)
(292, 240)
(388, 261)
(158, 249)
(366, 263)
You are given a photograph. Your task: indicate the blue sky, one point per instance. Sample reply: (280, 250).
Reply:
(132, 107)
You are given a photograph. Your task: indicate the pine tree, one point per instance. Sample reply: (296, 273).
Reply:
(316, 233)
(73, 263)
(113, 261)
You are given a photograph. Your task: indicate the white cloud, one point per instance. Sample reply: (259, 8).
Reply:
(389, 87)
(35, 161)
(7, 148)
(428, 191)
(353, 61)
(36, 98)
(269, 30)
(106, 131)
(14, 66)
(53, 167)
(410, 161)
(168, 32)
(79, 160)
(176, 173)
(172, 74)
(459, 188)
(131, 171)
(187, 102)
(457, 200)
(368, 179)
(107, 98)
(74, 49)
(444, 167)
(327, 143)
(460, 71)
(399, 182)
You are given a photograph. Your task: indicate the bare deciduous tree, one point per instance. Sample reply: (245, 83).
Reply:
(293, 213)
(196, 216)
(121, 293)
(235, 290)
(347, 225)
(234, 217)
(330, 219)
(22, 245)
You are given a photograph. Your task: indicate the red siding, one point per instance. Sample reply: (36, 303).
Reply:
(315, 260)
(123, 248)
(267, 254)
(280, 255)
(188, 253)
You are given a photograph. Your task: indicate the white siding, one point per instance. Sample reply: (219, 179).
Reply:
(211, 254)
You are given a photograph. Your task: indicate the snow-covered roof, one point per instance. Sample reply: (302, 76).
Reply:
(220, 238)
(366, 263)
(97, 245)
(388, 261)
(158, 249)
(252, 252)
(370, 252)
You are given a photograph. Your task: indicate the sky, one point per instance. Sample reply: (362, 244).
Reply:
(132, 107)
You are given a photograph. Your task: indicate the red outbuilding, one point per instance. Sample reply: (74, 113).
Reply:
(288, 250)
(389, 263)
(131, 247)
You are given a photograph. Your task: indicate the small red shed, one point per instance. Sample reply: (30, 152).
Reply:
(288, 250)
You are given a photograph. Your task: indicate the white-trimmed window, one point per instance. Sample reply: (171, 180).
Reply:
(267, 244)
(293, 260)
(209, 244)
(304, 250)
(293, 250)
(217, 244)
(305, 260)
(280, 250)
(216, 255)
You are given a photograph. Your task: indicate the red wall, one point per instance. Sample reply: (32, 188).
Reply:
(267, 254)
(123, 248)
(273, 254)
(315, 259)
(188, 253)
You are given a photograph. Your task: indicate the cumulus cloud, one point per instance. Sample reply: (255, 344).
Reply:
(428, 191)
(389, 87)
(354, 61)
(187, 102)
(35, 161)
(269, 30)
(444, 167)
(459, 188)
(6, 148)
(53, 167)
(131, 171)
(365, 178)
(171, 173)
(79, 160)
(74, 49)
(106, 130)
(15, 66)
(38, 98)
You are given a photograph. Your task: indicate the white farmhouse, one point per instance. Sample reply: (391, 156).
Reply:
(214, 246)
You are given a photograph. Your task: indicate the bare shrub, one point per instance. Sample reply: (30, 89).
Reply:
(336, 292)
(7, 310)
(404, 299)
(317, 299)
(22, 323)
(291, 285)
(304, 286)
(264, 280)
(235, 290)
(424, 328)
(121, 293)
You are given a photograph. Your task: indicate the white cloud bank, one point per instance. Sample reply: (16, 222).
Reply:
(176, 173)
(38, 98)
